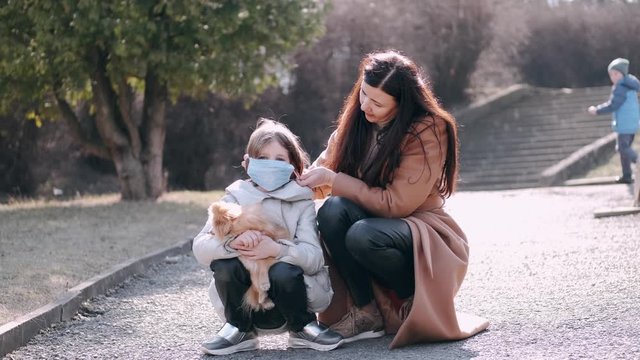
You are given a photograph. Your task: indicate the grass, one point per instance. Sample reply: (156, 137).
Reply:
(47, 247)
(612, 166)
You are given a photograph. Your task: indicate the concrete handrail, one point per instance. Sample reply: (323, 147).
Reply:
(493, 103)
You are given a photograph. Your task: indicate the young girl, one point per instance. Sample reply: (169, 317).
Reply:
(300, 284)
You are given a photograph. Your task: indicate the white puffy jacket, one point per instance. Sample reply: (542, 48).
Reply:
(290, 206)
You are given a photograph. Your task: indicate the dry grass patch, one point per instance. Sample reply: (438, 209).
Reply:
(611, 167)
(47, 247)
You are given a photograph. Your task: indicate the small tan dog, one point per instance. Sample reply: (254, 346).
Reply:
(230, 220)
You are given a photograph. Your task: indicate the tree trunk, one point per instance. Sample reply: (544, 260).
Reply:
(130, 175)
(153, 133)
(112, 130)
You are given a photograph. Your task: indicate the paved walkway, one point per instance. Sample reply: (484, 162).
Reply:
(554, 282)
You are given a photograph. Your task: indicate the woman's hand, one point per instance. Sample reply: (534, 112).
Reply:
(317, 176)
(267, 247)
(247, 240)
(592, 110)
(245, 161)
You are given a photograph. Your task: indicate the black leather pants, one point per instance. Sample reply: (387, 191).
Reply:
(362, 246)
(288, 292)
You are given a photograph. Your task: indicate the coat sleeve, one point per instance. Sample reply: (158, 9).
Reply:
(207, 248)
(305, 251)
(419, 171)
(618, 96)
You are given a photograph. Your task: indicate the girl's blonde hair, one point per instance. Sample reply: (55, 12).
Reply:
(268, 130)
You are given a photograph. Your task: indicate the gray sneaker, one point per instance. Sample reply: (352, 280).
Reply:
(315, 336)
(230, 340)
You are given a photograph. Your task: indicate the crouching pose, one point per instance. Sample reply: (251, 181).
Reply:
(298, 281)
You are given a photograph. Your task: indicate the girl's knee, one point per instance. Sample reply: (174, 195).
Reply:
(282, 274)
(226, 270)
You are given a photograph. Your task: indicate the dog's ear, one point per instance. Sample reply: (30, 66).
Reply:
(222, 217)
(228, 210)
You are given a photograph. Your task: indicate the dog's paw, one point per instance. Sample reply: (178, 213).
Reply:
(252, 300)
(268, 304)
(265, 286)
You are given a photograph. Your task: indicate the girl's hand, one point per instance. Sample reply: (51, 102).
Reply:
(267, 247)
(247, 240)
(317, 176)
(592, 110)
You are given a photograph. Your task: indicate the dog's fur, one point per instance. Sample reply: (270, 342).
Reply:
(229, 219)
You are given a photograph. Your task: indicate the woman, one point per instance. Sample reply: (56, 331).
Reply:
(388, 167)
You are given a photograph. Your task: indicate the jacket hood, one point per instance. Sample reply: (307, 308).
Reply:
(631, 82)
(247, 193)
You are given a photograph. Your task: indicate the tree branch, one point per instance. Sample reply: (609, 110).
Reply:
(77, 133)
(104, 98)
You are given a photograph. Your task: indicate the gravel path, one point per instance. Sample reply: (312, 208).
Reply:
(554, 282)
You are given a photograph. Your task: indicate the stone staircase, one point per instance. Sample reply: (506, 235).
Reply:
(513, 140)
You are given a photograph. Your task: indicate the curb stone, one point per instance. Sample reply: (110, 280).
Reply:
(19, 331)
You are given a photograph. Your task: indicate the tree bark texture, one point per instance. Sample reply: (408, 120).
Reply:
(135, 152)
(154, 130)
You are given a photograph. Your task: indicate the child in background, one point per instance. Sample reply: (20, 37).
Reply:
(300, 284)
(625, 112)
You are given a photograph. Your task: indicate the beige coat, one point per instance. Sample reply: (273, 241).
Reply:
(440, 247)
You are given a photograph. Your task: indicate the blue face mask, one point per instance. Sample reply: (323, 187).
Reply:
(269, 174)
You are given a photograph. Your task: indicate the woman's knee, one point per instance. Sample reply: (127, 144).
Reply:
(358, 240)
(227, 270)
(336, 213)
(333, 208)
(283, 274)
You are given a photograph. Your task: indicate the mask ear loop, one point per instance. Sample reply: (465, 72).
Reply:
(245, 165)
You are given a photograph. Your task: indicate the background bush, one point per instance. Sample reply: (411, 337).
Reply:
(571, 45)
(17, 139)
(446, 38)
(467, 47)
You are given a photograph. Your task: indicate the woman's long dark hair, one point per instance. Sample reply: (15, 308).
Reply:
(398, 76)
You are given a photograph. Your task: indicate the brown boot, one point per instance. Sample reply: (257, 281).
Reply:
(358, 324)
(405, 309)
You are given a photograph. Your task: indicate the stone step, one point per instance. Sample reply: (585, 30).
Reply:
(496, 185)
(524, 154)
(504, 128)
(547, 119)
(531, 181)
(490, 172)
(550, 103)
(507, 131)
(527, 144)
(512, 146)
(492, 158)
(471, 167)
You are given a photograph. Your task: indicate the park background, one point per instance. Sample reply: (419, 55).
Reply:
(62, 220)
(469, 50)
